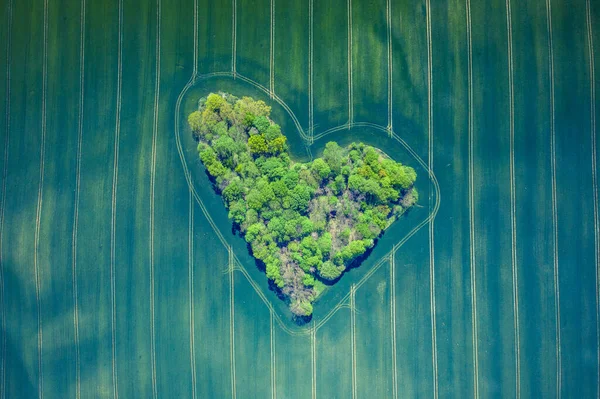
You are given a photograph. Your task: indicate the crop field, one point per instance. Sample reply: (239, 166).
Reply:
(119, 272)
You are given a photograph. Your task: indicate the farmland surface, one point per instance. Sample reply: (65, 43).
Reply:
(119, 273)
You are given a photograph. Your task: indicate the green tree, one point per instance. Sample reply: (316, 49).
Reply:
(237, 212)
(195, 121)
(334, 156)
(258, 144)
(277, 145)
(324, 243)
(233, 191)
(225, 147)
(262, 123)
(329, 271)
(320, 168)
(272, 132)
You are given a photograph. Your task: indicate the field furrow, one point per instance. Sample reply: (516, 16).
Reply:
(132, 231)
(409, 74)
(214, 29)
(59, 361)
(6, 16)
(291, 60)
(594, 42)
(171, 205)
(534, 201)
(451, 232)
(413, 319)
(334, 357)
(492, 189)
(211, 310)
(253, 29)
(252, 342)
(94, 281)
(369, 62)
(575, 221)
(293, 373)
(374, 344)
(330, 85)
(20, 230)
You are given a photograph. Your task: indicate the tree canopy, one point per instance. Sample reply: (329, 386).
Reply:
(306, 222)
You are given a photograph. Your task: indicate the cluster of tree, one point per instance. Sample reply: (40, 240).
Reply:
(306, 222)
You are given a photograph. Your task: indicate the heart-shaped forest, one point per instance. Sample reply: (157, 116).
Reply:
(305, 223)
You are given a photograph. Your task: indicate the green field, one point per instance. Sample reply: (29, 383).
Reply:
(119, 273)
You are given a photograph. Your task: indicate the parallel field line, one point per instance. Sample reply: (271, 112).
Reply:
(393, 323)
(191, 292)
(77, 200)
(232, 323)
(113, 240)
(390, 62)
(3, 205)
(40, 201)
(350, 88)
(554, 201)
(272, 342)
(234, 38)
(513, 207)
(272, 50)
(353, 336)
(432, 308)
(191, 233)
(471, 211)
(152, 189)
(195, 67)
(311, 123)
(594, 181)
(313, 358)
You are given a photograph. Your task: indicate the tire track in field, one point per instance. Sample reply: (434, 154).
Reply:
(273, 373)
(195, 54)
(3, 204)
(471, 211)
(188, 177)
(191, 292)
(234, 38)
(588, 10)
(152, 188)
(232, 324)
(311, 122)
(353, 337)
(554, 200)
(432, 308)
(191, 231)
(388, 12)
(313, 358)
(113, 222)
(271, 51)
(77, 200)
(393, 323)
(40, 203)
(513, 201)
(350, 83)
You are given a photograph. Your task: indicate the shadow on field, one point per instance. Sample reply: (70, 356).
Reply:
(17, 374)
